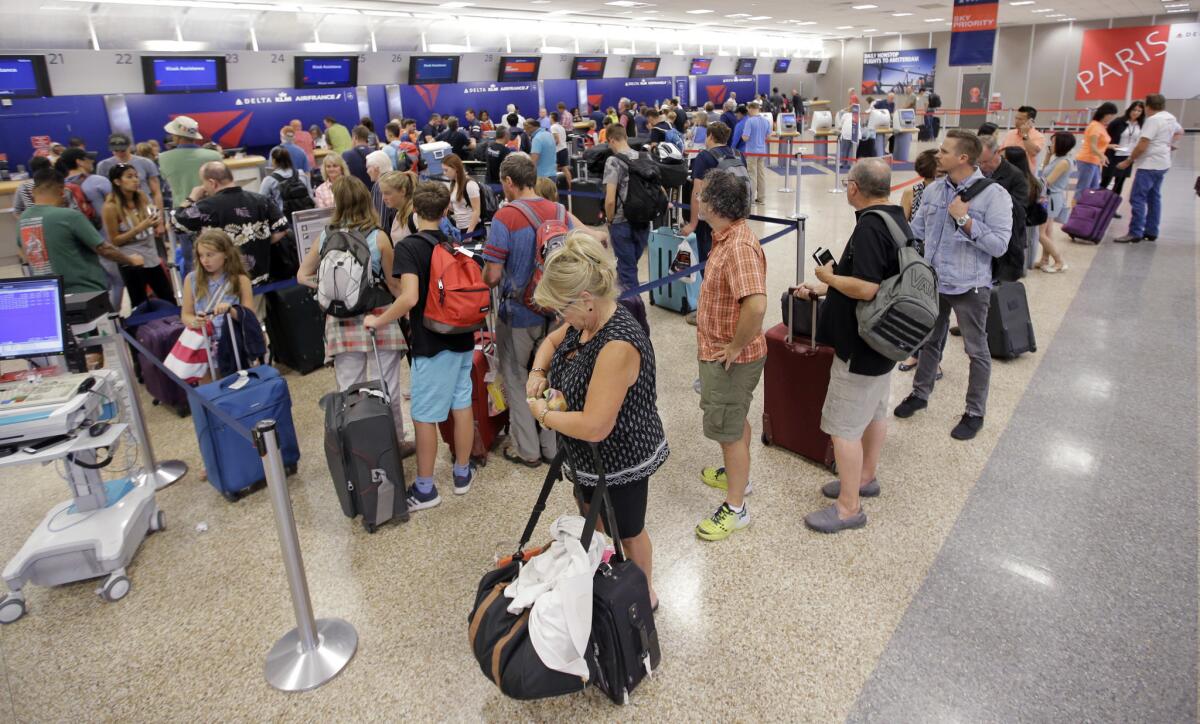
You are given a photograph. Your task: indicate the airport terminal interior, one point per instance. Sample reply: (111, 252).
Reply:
(1043, 571)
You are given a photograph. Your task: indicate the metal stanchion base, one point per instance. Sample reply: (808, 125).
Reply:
(166, 473)
(289, 668)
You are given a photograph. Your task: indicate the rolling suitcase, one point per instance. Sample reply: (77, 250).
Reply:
(487, 426)
(1009, 328)
(681, 296)
(795, 379)
(587, 202)
(1094, 211)
(364, 454)
(296, 327)
(231, 461)
(159, 336)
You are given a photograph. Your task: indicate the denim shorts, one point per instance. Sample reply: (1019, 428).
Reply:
(440, 384)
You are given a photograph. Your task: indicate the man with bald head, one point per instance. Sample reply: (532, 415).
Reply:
(250, 219)
(856, 404)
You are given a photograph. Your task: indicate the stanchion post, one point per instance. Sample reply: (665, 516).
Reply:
(161, 473)
(316, 650)
(787, 165)
(837, 167)
(799, 183)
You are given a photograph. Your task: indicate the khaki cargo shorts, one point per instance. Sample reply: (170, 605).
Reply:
(725, 397)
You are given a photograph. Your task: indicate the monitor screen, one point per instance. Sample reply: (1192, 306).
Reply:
(31, 317)
(326, 72)
(781, 65)
(519, 68)
(814, 66)
(183, 74)
(431, 69)
(787, 120)
(745, 66)
(700, 66)
(589, 67)
(644, 67)
(23, 76)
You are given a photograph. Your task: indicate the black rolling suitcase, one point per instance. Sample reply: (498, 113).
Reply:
(587, 201)
(1009, 327)
(296, 327)
(364, 454)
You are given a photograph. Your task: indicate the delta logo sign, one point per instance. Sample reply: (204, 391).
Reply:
(228, 127)
(1140, 60)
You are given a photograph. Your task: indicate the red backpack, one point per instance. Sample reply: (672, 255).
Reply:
(82, 203)
(549, 235)
(458, 299)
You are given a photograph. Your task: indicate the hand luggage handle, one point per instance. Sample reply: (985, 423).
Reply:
(800, 223)
(379, 363)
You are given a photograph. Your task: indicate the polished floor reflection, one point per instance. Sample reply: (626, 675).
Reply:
(1044, 571)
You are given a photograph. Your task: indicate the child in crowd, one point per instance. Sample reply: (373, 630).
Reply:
(217, 282)
(441, 363)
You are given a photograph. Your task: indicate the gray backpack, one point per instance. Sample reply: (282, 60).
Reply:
(901, 316)
(732, 162)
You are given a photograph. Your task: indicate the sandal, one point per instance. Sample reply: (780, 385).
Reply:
(905, 367)
(511, 456)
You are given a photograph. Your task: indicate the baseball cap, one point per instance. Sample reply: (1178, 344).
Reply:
(184, 126)
(71, 157)
(118, 142)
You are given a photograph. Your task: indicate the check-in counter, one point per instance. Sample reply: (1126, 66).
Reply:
(247, 171)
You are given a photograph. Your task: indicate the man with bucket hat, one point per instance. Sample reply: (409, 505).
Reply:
(181, 165)
(147, 170)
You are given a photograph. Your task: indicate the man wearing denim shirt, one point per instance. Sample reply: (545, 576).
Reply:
(961, 239)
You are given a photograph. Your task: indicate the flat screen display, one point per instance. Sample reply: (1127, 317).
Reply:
(588, 67)
(519, 68)
(745, 66)
(326, 72)
(183, 74)
(644, 67)
(700, 66)
(814, 66)
(781, 65)
(23, 76)
(431, 69)
(31, 317)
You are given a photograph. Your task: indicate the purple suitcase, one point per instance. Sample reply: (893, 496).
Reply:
(159, 337)
(1094, 211)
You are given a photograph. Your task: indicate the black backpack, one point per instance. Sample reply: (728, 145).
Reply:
(488, 203)
(645, 200)
(935, 101)
(294, 194)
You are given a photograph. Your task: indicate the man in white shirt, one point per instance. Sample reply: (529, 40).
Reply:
(562, 155)
(1152, 159)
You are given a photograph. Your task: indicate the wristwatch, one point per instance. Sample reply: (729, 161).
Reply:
(961, 221)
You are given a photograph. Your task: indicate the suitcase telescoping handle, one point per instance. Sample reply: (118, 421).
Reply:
(600, 500)
(800, 222)
(379, 364)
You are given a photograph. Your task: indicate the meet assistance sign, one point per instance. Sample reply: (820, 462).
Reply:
(1135, 61)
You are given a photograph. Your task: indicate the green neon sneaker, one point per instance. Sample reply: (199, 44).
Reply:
(723, 522)
(716, 478)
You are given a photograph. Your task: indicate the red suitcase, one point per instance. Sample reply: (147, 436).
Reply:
(487, 428)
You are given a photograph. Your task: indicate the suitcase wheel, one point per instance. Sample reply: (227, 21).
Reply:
(766, 441)
(1032, 348)
(231, 497)
(290, 469)
(370, 527)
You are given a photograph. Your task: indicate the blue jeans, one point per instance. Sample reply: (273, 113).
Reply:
(1145, 202)
(1088, 177)
(629, 243)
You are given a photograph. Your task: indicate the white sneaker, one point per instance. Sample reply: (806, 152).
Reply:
(1049, 268)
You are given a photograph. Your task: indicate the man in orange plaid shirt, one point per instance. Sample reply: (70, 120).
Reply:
(731, 345)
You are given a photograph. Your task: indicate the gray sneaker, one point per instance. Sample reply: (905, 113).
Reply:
(826, 520)
(833, 489)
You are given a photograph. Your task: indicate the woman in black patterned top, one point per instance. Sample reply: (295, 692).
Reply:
(603, 364)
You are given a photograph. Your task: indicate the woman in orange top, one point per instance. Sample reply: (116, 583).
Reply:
(1091, 159)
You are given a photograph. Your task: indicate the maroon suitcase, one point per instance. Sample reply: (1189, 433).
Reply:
(1094, 211)
(159, 337)
(796, 377)
(487, 428)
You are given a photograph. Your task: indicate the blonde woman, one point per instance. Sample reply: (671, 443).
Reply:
(346, 339)
(396, 188)
(332, 169)
(602, 363)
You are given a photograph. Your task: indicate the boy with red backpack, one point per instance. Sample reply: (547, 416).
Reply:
(442, 292)
(523, 232)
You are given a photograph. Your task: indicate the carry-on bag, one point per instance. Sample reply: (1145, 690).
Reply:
(623, 648)
(1009, 327)
(587, 201)
(159, 337)
(363, 452)
(296, 328)
(490, 422)
(1094, 211)
(665, 245)
(795, 380)
(249, 396)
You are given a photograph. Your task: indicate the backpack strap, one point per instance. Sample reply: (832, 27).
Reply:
(430, 238)
(975, 189)
(898, 236)
(530, 215)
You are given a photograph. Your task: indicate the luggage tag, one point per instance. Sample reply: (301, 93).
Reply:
(242, 380)
(683, 260)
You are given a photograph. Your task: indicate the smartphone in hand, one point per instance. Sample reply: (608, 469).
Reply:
(822, 256)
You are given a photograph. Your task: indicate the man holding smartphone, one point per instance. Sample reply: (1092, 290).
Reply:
(860, 380)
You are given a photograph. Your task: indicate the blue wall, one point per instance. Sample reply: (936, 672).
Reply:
(59, 118)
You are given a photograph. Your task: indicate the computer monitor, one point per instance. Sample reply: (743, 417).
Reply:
(32, 317)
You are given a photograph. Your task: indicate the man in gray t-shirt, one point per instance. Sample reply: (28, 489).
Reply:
(147, 170)
(629, 240)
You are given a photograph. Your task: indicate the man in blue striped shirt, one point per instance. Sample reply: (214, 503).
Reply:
(961, 239)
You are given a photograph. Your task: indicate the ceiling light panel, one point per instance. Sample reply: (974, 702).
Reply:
(863, 7)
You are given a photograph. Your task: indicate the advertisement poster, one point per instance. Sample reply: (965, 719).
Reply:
(1158, 58)
(974, 101)
(898, 71)
(973, 34)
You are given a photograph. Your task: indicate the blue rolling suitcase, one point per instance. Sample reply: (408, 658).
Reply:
(680, 296)
(232, 462)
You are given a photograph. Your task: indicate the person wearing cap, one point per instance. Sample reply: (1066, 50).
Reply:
(76, 166)
(147, 171)
(181, 165)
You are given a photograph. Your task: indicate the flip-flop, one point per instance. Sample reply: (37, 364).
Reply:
(512, 457)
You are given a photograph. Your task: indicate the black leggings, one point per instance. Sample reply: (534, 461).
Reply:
(628, 501)
(137, 278)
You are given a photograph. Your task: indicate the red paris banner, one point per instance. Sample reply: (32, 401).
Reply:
(1110, 57)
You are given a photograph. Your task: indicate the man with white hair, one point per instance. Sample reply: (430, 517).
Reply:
(729, 117)
(379, 163)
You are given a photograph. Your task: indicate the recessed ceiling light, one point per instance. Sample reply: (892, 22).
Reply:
(560, 12)
(1184, 10)
(901, 15)
(539, 2)
(738, 15)
(1172, 6)
(806, 22)
(843, 27)
(863, 7)
(627, 4)
(1057, 15)
(1044, 10)
(455, 5)
(871, 30)
(1023, 2)
(934, 20)
(699, 12)
(759, 17)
